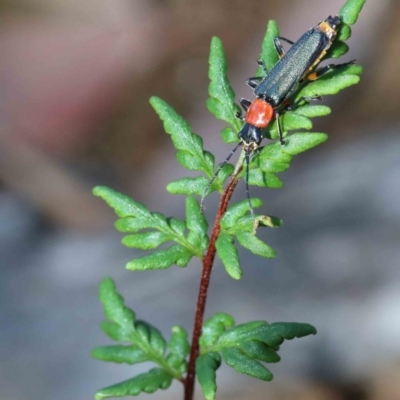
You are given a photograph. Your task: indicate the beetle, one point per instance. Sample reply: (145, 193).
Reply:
(273, 90)
(294, 67)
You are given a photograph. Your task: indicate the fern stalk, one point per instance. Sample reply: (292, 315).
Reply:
(208, 262)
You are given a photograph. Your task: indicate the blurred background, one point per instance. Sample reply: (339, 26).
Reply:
(75, 79)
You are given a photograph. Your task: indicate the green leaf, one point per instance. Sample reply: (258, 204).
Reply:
(188, 186)
(238, 332)
(161, 259)
(177, 225)
(255, 245)
(178, 343)
(146, 341)
(120, 354)
(189, 145)
(264, 179)
(268, 165)
(227, 252)
(344, 32)
(148, 382)
(136, 216)
(243, 364)
(114, 331)
(222, 97)
(244, 345)
(350, 11)
(123, 205)
(114, 308)
(190, 162)
(146, 241)
(196, 223)
(337, 50)
(312, 111)
(237, 211)
(275, 152)
(179, 348)
(152, 336)
(269, 220)
(259, 350)
(300, 142)
(229, 135)
(291, 330)
(268, 52)
(276, 333)
(247, 223)
(293, 120)
(272, 335)
(214, 327)
(132, 224)
(206, 365)
(226, 172)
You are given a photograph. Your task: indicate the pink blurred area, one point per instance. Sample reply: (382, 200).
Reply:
(60, 80)
(63, 76)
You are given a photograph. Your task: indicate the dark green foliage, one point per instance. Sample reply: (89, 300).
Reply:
(179, 349)
(337, 50)
(256, 246)
(268, 52)
(350, 11)
(243, 347)
(242, 363)
(229, 135)
(236, 222)
(214, 327)
(344, 32)
(236, 212)
(228, 254)
(196, 223)
(206, 367)
(120, 354)
(190, 152)
(275, 158)
(135, 217)
(148, 382)
(188, 186)
(313, 111)
(222, 97)
(146, 343)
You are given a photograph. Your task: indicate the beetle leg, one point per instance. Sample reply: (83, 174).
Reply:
(278, 45)
(286, 40)
(278, 125)
(254, 81)
(239, 115)
(247, 160)
(245, 104)
(262, 64)
(301, 99)
(323, 70)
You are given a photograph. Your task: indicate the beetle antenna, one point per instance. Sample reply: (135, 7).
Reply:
(247, 160)
(216, 174)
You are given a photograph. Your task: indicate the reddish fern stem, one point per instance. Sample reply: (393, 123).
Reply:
(208, 262)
